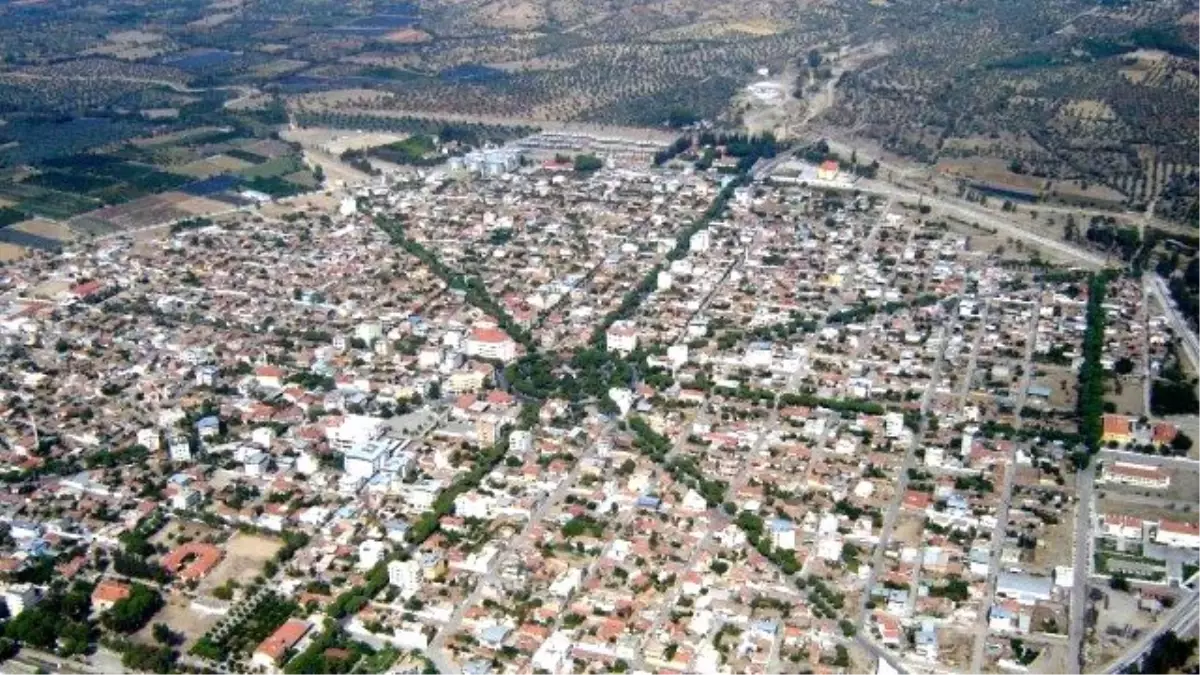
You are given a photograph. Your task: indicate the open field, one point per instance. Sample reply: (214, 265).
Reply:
(245, 555)
(179, 615)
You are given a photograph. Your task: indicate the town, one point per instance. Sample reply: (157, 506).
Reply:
(527, 412)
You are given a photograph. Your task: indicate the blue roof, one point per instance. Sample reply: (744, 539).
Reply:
(494, 633)
(478, 667)
(646, 501)
(1038, 390)
(210, 421)
(781, 525)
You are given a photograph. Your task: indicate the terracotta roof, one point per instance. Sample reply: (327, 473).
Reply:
(492, 335)
(110, 590)
(283, 639)
(193, 560)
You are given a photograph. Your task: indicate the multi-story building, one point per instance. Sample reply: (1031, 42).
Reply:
(491, 343)
(622, 337)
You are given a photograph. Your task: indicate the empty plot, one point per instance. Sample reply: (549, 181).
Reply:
(245, 555)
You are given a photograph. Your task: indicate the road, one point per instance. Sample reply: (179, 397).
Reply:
(436, 651)
(1183, 330)
(1181, 621)
(1084, 495)
(889, 519)
(1184, 463)
(999, 533)
(707, 541)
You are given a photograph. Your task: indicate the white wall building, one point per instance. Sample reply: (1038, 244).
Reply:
(622, 337)
(491, 343)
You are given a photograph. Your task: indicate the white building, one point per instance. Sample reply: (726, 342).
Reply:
(179, 448)
(370, 552)
(366, 459)
(700, 241)
(622, 337)
(1177, 534)
(677, 355)
(353, 430)
(520, 441)
(1121, 526)
(491, 343)
(664, 280)
(150, 438)
(1026, 589)
(369, 331)
(783, 534)
(405, 575)
(19, 597)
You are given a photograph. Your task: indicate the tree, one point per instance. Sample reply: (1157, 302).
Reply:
(587, 163)
(162, 634)
(1182, 442)
(131, 613)
(1118, 582)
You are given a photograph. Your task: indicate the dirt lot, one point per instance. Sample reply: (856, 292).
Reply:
(1140, 507)
(245, 555)
(1121, 612)
(1054, 543)
(178, 614)
(908, 529)
(170, 534)
(10, 252)
(1130, 401)
(955, 649)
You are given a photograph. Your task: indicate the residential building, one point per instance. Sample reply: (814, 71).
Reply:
(622, 336)
(491, 343)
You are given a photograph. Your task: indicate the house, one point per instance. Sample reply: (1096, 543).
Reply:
(1137, 475)
(271, 651)
(828, 170)
(107, 593)
(19, 597)
(491, 343)
(925, 640)
(269, 376)
(1116, 428)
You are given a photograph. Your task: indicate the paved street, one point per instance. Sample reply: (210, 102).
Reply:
(999, 533)
(436, 652)
(1084, 482)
